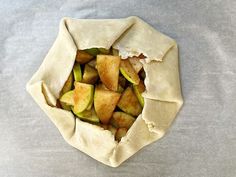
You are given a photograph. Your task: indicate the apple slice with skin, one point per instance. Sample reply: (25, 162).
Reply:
(104, 51)
(68, 84)
(112, 129)
(105, 102)
(90, 75)
(92, 51)
(68, 98)
(128, 72)
(122, 120)
(138, 90)
(121, 132)
(87, 115)
(77, 72)
(83, 57)
(108, 70)
(135, 62)
(129, 102)
(83, 95)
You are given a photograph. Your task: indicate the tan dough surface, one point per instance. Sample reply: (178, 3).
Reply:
(131, 36)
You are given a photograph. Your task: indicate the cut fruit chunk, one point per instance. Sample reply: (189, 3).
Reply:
(135, 62)
(92, 51)
(66, 106)
(90, 105)
(138, 90)
(77, 72)
(68, 98)
(129, 102)
(90, 75)
(104, 103)
(92, 63)
(115, 52)
(112, 129)
(68, 84)
(83, 95)
(83, 57)
(128, 72)
(87, 115)
(122, 120)
(121, 132)
(104, 51)
(108, 70)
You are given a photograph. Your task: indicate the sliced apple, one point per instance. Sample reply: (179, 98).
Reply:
(90, 75)
(115, 52)
(112, 129)
(92, 51)
(122, 120)
(90, 105)
(66, 106)
(68, 84)
(108, 70)
(138, 90)
(104, 51)
(135, 62)
(83, 57)
(129, 102)
(87, 115)
(83, 95)
(104, 103)
(121, 132)
(92, 63)
(68, 98)
(77, 72)
(128, 72)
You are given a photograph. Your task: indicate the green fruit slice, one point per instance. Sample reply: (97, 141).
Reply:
(87, 115)
(77, 72)
(92, 51)
(138, 90)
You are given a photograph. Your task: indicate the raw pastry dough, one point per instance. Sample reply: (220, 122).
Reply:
(131, 36)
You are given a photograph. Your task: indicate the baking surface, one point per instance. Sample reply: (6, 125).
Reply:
(202, 140)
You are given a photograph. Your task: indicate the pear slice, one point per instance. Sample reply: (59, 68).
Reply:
(90, 75)
(92, 51)
(138, 90)
(105, 103)
(121, 132)
(86, 115)
(129, 102)
(122, 120)
(68, 84)
(135, 62)
(108, 70)
(77, 72)
(112, 129)
(128, 72)
(83, 95)
(68, 98)
(83, 57)
(104, 51)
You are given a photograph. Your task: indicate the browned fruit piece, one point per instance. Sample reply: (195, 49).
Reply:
(112, 129)
(83, 57)
(121, 132)
(108, 70)
(122, 120)
(128, 72)
(105, 102)
(129, 102)
(83, 95)
(90, 75)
